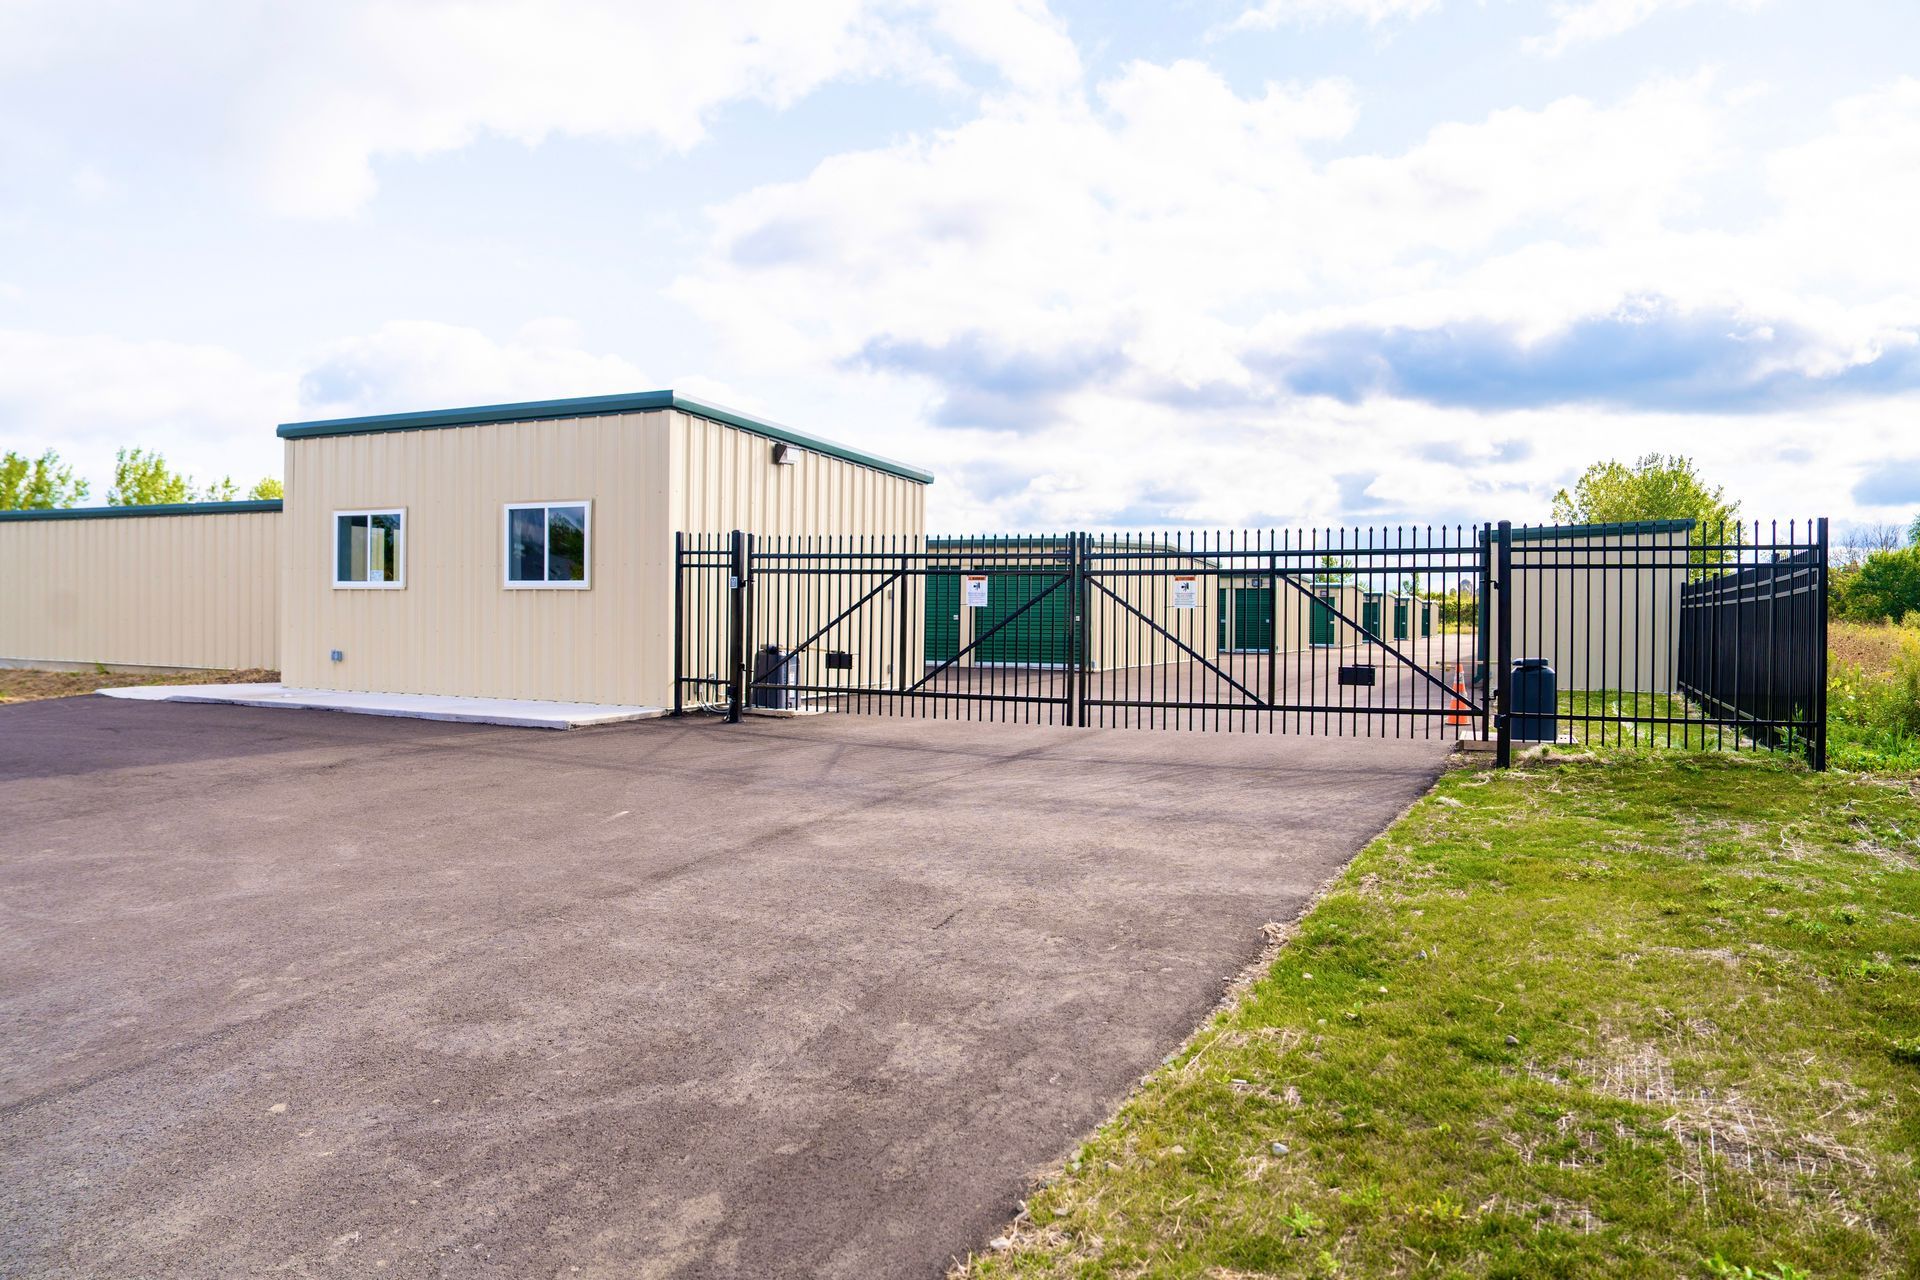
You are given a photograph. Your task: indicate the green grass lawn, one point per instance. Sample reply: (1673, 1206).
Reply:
(1658, 1016)
(1626, 718)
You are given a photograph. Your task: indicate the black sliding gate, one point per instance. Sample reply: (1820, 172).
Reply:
(1653, 634)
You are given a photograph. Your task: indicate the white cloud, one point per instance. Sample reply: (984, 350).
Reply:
(1274, 13)
(1590, 21)
(1091, 283)
(301, 105)
(206, 407)
(1171, 213)
(1849, 198)
(418, 364)
(212, 412)
(1085, 304)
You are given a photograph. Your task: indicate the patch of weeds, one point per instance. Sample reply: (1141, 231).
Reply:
(1443, 1209)
(1368, 1198)
(1718, 1266)
(1303, 1222)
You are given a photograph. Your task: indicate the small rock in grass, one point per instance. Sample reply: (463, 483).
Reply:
(1000, 1242)
(1279, 1148)
(1513, 1040)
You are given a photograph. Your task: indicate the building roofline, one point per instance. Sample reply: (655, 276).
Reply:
(1617, 528)
(593, 406)
(155, 509)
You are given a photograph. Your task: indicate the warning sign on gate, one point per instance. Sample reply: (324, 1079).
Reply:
(975, 594)
(1186, 591)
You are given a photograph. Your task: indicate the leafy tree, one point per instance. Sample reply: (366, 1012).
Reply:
(1913, 532)
(1858, 541)
(38, 484)
(1655, 487)
(141, 478)
(1886, 585)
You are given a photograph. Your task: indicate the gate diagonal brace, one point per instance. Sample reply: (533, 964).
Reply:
(989, 633)
(804, 645)
(1398, 656)
(1259, 703)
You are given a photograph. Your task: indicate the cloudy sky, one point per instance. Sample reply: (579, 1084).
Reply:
(1306, 262)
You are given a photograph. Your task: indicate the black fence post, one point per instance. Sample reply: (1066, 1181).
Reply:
(906, 619)
(1077, 687)
(1503, 650)
(1273, 636)
(737, 628)
(1482, 676)
(1818, 754)
(679, 621)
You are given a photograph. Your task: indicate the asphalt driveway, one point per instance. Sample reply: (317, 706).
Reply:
(304, 993)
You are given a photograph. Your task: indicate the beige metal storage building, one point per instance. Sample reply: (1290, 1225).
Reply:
(526, 550)
(193, 585)
(1602, 629)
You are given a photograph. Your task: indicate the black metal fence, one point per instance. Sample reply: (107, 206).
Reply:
(1643, 633)
(1753, 642)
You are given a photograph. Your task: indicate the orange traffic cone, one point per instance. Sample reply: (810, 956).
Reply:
(1457, 713)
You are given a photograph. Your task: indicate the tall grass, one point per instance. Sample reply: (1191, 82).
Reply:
(1873, 696)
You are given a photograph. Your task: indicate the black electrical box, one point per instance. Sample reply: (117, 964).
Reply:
(1361, 674)
(839, 660)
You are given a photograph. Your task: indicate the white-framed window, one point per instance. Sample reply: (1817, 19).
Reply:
(549, 544)
(370, 549)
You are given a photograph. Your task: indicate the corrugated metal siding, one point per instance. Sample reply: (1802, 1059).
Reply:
(725, 479)
(456, 629)
(1602, 628)
(163, 591)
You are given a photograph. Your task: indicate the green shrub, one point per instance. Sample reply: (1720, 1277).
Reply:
(1886, 585)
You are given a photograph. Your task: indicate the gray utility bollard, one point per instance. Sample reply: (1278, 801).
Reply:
(1535, 709)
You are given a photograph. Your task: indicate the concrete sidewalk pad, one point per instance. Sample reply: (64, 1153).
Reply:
(513, 712)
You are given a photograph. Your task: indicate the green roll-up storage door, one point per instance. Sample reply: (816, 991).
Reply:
(1322, 619)
(1400, 619)
(1426, 617)
(1370, 615)
(943, 616)
(1041, 635)
(1222, 615)
(1253, 617)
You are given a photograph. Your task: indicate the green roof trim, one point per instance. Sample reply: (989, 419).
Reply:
(592, 406)
(157, 509)
(1616, 529)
